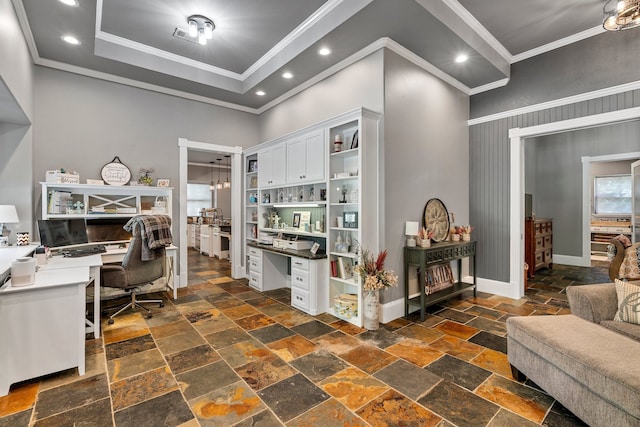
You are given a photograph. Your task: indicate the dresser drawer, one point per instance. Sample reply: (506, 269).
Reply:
(300, 263)
(300, 299)
(255, 252)
(255, 264)
(255, 280)
(547, 241)
(299, 279)
(539, 241)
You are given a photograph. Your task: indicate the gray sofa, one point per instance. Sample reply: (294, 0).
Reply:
(585, 360)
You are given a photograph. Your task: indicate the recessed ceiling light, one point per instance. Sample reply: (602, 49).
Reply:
(287, 75)
(324, 51)
(260, 93)
(72, 3)
(71, 39)
(461, 58)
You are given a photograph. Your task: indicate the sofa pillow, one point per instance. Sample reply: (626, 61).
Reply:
(630, 266)
(626, 242)
(628, 302)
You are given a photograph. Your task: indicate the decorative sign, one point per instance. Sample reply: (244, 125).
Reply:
(115, 172)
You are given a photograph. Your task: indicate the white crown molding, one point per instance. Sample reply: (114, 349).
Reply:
(613, 90)
(140, 85)
(558, 43)
(26, 29)
(489, 86)
(476, 26)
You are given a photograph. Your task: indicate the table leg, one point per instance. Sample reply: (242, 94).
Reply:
(94, 272)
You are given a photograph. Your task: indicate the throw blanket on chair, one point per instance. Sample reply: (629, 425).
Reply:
(155, 231)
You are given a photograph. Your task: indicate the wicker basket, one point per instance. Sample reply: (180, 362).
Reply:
(346, 305)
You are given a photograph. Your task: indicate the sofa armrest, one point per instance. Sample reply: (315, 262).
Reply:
(593, 302)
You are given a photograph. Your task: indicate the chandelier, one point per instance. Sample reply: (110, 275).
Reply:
(200, 27)
(621, 14)
(219, 184)
(227, 183)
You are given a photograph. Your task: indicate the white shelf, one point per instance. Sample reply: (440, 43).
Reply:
(345, 153)
(349, 282)
(293, 231)
(346, 178)
(345, 204)
(343, 229)
(351, 255)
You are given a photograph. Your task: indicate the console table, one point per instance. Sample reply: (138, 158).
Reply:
(438, 253)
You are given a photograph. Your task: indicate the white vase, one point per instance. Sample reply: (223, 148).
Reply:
(466, 237)
(455, 237)
(371, 313)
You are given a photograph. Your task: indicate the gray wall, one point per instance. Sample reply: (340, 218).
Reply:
(16, 141)
(595, 63)
(555, 74)
(558, 168)
(359, 85)
(82, 123)
(425, 153)
(202, 175)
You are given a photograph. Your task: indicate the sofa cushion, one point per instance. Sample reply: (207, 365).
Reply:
(628, 302)
(601, 360)
(628, 329)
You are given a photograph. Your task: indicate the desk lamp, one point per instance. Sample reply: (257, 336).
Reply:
(8, 215)
(411, 230)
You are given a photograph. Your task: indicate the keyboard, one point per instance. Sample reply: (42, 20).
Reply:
(80, 252)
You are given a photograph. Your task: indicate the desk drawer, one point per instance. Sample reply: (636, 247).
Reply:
(255, 280)
(255, 264)
(299, 279)
(300, 263)
(300, 299)
(255, 252)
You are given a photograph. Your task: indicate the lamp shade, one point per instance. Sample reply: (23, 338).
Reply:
(411, 228)
(8, 214)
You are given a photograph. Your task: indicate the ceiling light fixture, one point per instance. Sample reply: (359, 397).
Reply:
(200, 27)
(463, 57)
(70, 39)
(227, 183)
(261, 93)
(72, 3)
(212, 186)
(324, 51)
(621, 14)
(219, 184)
(287, 75)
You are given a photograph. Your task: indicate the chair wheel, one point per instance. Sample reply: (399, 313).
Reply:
(149, 316)
(110, 321)
(161, 304)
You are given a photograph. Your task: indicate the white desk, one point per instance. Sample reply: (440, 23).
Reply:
(42, 326)
(10, 253)
(94, 262)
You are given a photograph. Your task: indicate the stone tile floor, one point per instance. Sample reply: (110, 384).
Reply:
(222, 354)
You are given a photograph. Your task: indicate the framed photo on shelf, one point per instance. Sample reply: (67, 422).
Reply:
(301, 219)
(350, 219)
(296, 220)
(253, 166)
(354, 140)
(163, 182)
(253, 182)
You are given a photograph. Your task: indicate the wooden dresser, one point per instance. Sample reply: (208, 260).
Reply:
(538, 244)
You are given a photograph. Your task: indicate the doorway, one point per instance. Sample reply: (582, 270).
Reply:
(184, 147)
(517, 138)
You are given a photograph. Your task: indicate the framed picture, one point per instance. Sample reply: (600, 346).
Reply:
(301, 219)
(253, 166)
(315, 248)
(253, 182)
(296, 220)
(354, 141)
(163, 182)
(350, 219)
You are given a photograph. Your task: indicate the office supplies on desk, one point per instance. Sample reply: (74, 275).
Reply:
(23, 272)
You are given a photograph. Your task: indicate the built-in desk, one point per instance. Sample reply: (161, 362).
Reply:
(305, 273)
(42, 326)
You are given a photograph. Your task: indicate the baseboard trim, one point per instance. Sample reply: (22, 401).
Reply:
(569, 260)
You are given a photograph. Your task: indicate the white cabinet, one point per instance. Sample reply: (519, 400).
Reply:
(191, 235)
(255, 267)
(306, 158)
(272, 163)
(308, 285)
(205, 240)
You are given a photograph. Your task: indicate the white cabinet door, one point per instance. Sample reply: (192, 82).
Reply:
(279, 165)
(271, 166)
(296, 160)
(305, 158)
(315, 155)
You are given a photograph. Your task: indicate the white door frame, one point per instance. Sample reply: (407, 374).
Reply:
(184, 145)
(516, 187)
(635, 203)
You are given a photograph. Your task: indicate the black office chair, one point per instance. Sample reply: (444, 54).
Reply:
(134, 273)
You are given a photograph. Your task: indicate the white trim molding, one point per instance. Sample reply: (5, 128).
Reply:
(558, 44)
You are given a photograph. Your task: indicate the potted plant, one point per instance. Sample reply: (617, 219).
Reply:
(424, 237)
(374, 277)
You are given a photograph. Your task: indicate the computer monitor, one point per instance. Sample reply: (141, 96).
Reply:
(107, 230)
(56, 233)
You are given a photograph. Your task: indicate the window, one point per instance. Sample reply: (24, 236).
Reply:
(612, 195)
(198, 197)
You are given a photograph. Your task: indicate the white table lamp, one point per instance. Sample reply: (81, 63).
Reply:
(411, 230)
(8, 215)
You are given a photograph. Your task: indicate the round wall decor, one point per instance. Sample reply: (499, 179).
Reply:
(436, 218)
(115, 172)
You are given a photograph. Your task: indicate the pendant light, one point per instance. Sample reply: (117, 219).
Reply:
(212, 185)
(227, 183)
(219, 184)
